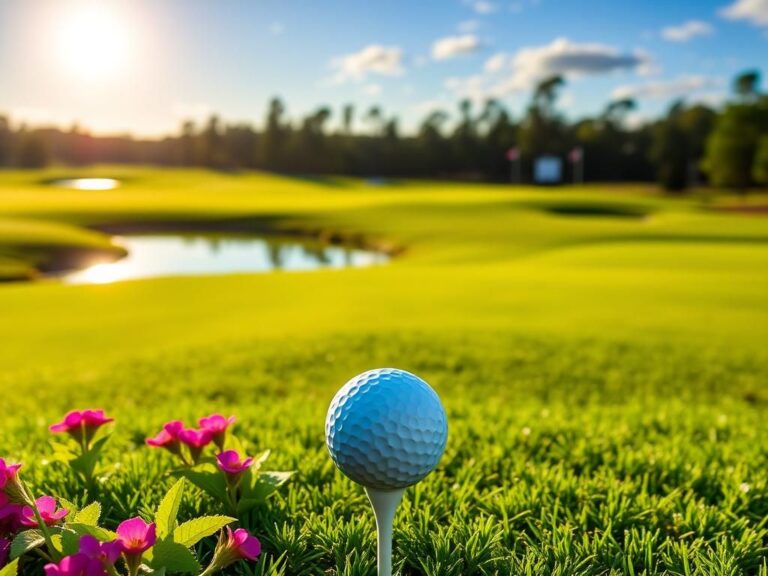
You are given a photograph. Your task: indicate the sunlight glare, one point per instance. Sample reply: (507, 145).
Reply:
(104, 273)
(93, 43)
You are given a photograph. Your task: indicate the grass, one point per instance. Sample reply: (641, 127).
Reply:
(601, 354)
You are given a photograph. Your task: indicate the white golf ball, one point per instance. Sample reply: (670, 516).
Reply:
(386, 429)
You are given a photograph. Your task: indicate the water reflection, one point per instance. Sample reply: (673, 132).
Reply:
(88, 183)
(162, 255)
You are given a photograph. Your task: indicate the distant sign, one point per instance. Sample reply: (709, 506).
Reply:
(548, 170)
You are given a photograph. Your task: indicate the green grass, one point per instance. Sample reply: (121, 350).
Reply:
(601, 354)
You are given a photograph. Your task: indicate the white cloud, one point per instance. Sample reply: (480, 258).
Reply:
(372, 90)
(468, 26)
(753, 11)
(508, 74)
(686, 31)
(571, 59)
(496, 62)
(483, 7)
(667, 89)
(373, 59)
(452, 46)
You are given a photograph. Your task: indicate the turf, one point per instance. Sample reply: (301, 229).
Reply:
(601, 354)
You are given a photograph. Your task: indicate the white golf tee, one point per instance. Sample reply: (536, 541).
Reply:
(384, 503)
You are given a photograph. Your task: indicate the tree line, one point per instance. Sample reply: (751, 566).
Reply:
(690, 145)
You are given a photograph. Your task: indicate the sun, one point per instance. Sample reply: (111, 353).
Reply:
(92, 42)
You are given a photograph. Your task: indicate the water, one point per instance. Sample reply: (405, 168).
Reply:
(88, 183)
(164, 255)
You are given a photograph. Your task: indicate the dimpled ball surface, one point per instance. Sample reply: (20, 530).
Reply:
(386, 429)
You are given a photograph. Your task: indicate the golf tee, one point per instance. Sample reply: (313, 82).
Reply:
(384, 503)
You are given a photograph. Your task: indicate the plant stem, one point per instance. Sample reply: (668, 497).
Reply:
(46, 533)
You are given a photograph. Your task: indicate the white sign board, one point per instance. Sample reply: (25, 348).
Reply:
(548, 170)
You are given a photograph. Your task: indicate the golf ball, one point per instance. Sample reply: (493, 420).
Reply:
(386, 429)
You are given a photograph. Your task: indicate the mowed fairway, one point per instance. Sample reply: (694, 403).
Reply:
(602, 354)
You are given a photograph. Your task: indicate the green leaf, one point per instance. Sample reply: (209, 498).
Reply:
(71, 506)
(86, 463)
(70, 542)
(157, 572)
(89, 515)
(101, 534)
(191, 532)
(58, 542)
(167, 512)
(62, 453)
(264, 484)
(213, 482)
(174, 557)
(10, 569)
(26, 541)
(259, 460)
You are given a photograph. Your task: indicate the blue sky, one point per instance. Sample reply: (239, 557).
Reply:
(143, 65)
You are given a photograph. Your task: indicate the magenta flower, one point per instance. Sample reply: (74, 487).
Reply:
(106, 552)
(47, 507)
(168, 437)
(9, 515)
(76, 565)
(233, 546)
(195, 440)
(217, 425)
(243, 544)
(136, 536)
(5, 550)
(7, 472)
(81, 424)
(230, 463)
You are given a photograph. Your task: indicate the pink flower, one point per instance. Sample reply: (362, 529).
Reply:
(9, 515)
(106, 552)
(7, 472)
(5, 550)
(76, 565)
(217, 425)
(230, 463)
(243, 544)
(81, 424)
(168, 437)
(136, 536)
(47, 507)
(233, 546)
(195, 440)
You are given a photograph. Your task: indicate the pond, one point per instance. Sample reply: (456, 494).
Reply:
(188, 255)
(87, 183)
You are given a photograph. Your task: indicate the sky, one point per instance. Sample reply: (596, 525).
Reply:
(143, 66)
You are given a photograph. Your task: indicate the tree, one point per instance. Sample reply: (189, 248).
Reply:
(746, 85)
(33, 150)
(669, 150)
(276, 134)
(188, 144)
(6, 142)
(731, 149)
(433, 145)
(542, 130)
(760, 167)
(348, 118)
